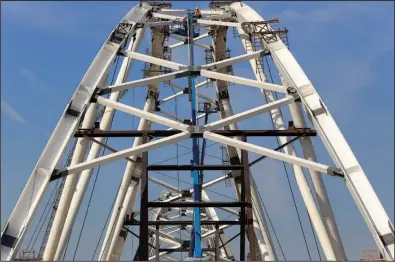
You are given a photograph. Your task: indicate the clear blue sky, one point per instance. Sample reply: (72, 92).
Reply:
(345, 48)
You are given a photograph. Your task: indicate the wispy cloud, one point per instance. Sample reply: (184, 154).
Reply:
(65, 19)
(8, 110)
(28, 75)
(11, 112)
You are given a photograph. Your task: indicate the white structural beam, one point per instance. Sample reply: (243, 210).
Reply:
(214, 181)
(143, 114)
(168, 17)
(169, 98)
(261, 236)
(183, 40)
(127, 153)
(178, 37)
(172, 11)
(204, 46)
(203, 83)
(84, 178)
(266, 152)
(217, 23)
(243, 81)
(145, 81)
(164, 184)
(249, 113)
(160, 23)
(357, 182)
(318, 222)
(113, 242)
(218, 16)
(69, 187)
(170, 115)
(211, 12)
(233, 60)
(208, 99)
(154, 60)
(35, 188)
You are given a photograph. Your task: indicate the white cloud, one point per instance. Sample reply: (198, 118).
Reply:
(28, 75)
(66, 19)
(11, 112)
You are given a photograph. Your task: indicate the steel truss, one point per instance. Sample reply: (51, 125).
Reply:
(78, 120)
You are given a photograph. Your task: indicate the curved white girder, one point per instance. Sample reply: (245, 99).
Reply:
(29, 200)
(96, 76)
(359, 186)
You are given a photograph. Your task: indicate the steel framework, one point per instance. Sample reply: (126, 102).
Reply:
(157, 221)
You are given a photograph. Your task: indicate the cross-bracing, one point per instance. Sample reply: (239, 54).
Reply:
(298, 93)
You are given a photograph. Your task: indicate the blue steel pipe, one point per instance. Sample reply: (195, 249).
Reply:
(196, 232)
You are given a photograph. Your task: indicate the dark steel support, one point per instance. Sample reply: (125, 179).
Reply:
(144, 233)
(216, 242)
(164, 133)
(198, 204)
(242, 213)
(182, 222)
(277, 149)
(229, 240)
(247, 198)
(196, 167)
(157, 242)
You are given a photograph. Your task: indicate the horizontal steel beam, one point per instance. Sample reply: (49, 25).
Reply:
(143, 82)
(143, 114)
(217, 23)
(197, 204)
(233, 60)
(268, 152)
(249, 113)
(154, 60)
(75, 169)
(183, 249)
(243, 81)
(134, 222)
(164, 133)
(191, 167)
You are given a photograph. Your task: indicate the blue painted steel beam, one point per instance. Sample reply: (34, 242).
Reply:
(196, 232)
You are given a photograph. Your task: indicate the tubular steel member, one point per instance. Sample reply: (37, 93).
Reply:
(128, 189)
(85, 176)
(196, 230)
(206, 226)
(308, 151)
(262, 236)
(359, 186)
(69, 187)
(29, 200)
(279, 124)
(144, 223)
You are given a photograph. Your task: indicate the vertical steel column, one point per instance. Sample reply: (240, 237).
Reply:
(246, 182)
(157, 244)
(113, 243)
(242, 212)
(216, 242)
(143, 245)
(197, 250)
(69, 186)
(105, 124)
(305, 191)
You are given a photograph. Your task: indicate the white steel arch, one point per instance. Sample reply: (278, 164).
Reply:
(299, 93)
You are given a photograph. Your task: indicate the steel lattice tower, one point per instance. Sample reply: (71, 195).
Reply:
(84, 120)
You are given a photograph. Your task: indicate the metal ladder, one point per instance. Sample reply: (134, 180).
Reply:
(235, 33)
(252, 46)
(226, 162)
